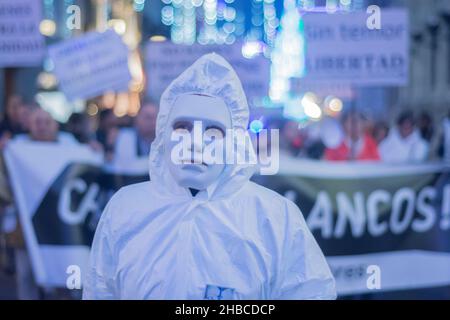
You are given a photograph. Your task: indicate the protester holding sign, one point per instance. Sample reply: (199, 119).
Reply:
(201, 230)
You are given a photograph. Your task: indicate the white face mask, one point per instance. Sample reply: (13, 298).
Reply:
(195, 116)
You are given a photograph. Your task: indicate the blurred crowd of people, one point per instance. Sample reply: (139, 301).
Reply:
(118, 138)
(354, 136)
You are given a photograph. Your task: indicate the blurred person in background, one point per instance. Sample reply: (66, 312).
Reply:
(425, 126)
(404, 142)
(357, 144)
(380, 131)
(430, 133)
(443, 150)
(81, 127)
(134, 143)
(106, 133)
(43, 128)
(313, 146)
(291, 138)
(13, 122)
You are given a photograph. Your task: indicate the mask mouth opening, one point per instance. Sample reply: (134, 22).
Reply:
(192, 162)
(201, 95)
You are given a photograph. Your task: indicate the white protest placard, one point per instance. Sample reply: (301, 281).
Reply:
(165, 61)
(341, 48)
(21, 43)
(91, 65)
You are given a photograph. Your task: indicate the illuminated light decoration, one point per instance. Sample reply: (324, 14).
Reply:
(48, 65)
(189, 22)
(240, 24)
(221, 10)
(310, 106)
(118, 25)
(47, 27)
(230, 39)
(288, 55)
(335, 105)
(167, 15)
(251, 49)
(229, 14)
(158, 38)
(182, 18)
(137, 75)
(121, 106)
(331, 6)
(46, 80)
(92, 109)
(226, 16)
(307, 4)
(346, 5)
(209, 33)
(138, 5)
(257, 21)
(271, 24)
(256, 126)
(229, 27)
(108, 100)
(197, 3)
(57, 105)
(293, 109)
(49, 9)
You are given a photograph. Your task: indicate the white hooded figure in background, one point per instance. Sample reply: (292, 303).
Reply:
(199, 231)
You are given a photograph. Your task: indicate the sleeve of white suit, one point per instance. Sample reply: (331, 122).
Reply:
(304, 273)
(98, 283)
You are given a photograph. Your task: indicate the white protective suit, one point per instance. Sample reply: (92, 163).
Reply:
(234, 240)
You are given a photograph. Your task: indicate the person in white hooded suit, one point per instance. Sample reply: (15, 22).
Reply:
(209, 233)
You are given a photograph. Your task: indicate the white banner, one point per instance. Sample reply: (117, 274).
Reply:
(33, 168)
(165, 61)
(340, 48)
(388, 271)
(92, 64)
(21, 43)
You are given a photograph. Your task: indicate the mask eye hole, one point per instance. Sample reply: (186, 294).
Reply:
(182, 125)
